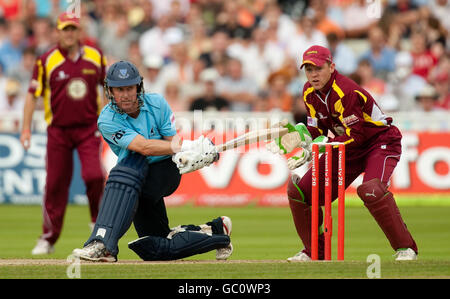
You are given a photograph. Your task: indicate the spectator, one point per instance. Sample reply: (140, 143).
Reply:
(381, 57)
(343, 56)
(209, 100)
(403, 85)
(116, 40)
(270, 52)
(442, 85)
(194, 88)
(42, 35)
(157, 40)
(259, 56)
(22, 72)
(406, 13)
(147, 20)
(423, 59)
(198, 41)
(441, 10)
(173, 96)
(324, 23)
(436, 35)
(278, 96)
(218, 53)
(278, 24)
(307, 35)
(90, 24)
(237, 89)
(134, 56)
(235, 20)
(356, 21)
(180, 67)
(439, 78)
(375, 86)
(11, 98)
(12, 49)
(152, 79)
(3, 31)
(298, 79)
(47, 8)
(10, 9)
(427, 100)
(162, 8)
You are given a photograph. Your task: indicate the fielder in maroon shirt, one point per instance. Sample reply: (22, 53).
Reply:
(67, 77)
(338, 105)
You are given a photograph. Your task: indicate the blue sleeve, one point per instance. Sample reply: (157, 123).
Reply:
(167, 121)
(117, 134)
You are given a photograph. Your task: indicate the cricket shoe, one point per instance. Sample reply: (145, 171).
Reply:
(225, 252)
(299, 257)
(405, 254)
(42, 247)
(94, 252)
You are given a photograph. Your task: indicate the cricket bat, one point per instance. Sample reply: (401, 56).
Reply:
(252, 137)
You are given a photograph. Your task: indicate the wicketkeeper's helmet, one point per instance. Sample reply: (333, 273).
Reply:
(120, 74)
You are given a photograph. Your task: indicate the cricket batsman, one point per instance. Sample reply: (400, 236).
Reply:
(140, 129)
(338, 105)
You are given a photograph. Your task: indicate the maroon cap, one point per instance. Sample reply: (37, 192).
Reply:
(316, 55)
(65, 19)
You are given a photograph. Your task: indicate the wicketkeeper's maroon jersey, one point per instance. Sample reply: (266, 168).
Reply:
(69, 88)
(348, 111)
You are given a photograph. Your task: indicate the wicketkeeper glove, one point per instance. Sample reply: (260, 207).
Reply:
(299, 160)
(298, 136)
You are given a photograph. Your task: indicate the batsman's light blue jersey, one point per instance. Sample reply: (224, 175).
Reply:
(155, 121)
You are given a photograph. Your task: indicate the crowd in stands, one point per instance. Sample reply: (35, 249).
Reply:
(243, 55)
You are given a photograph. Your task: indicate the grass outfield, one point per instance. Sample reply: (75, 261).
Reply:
(262, 238)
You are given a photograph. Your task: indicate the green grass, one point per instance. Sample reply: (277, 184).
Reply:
(265, 234)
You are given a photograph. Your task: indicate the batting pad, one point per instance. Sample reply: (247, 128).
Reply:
(120, 201)
(181, 245)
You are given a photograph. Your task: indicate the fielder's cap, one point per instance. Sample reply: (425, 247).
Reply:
(316, 55)
(66, 19)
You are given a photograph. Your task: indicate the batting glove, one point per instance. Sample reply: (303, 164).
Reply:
(195, 154)
(188, 161)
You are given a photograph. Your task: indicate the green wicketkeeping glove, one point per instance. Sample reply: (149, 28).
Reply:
(297, 136)
(305, 156)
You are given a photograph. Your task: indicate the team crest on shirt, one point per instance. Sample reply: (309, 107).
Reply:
(77, 88)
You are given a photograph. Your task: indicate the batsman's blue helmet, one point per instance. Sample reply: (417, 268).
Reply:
(120, 74)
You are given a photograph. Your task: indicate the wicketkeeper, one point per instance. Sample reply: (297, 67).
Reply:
(140, 129)
(338, 105)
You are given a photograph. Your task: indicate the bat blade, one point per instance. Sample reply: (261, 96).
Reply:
(249, 138)
(252, 137)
